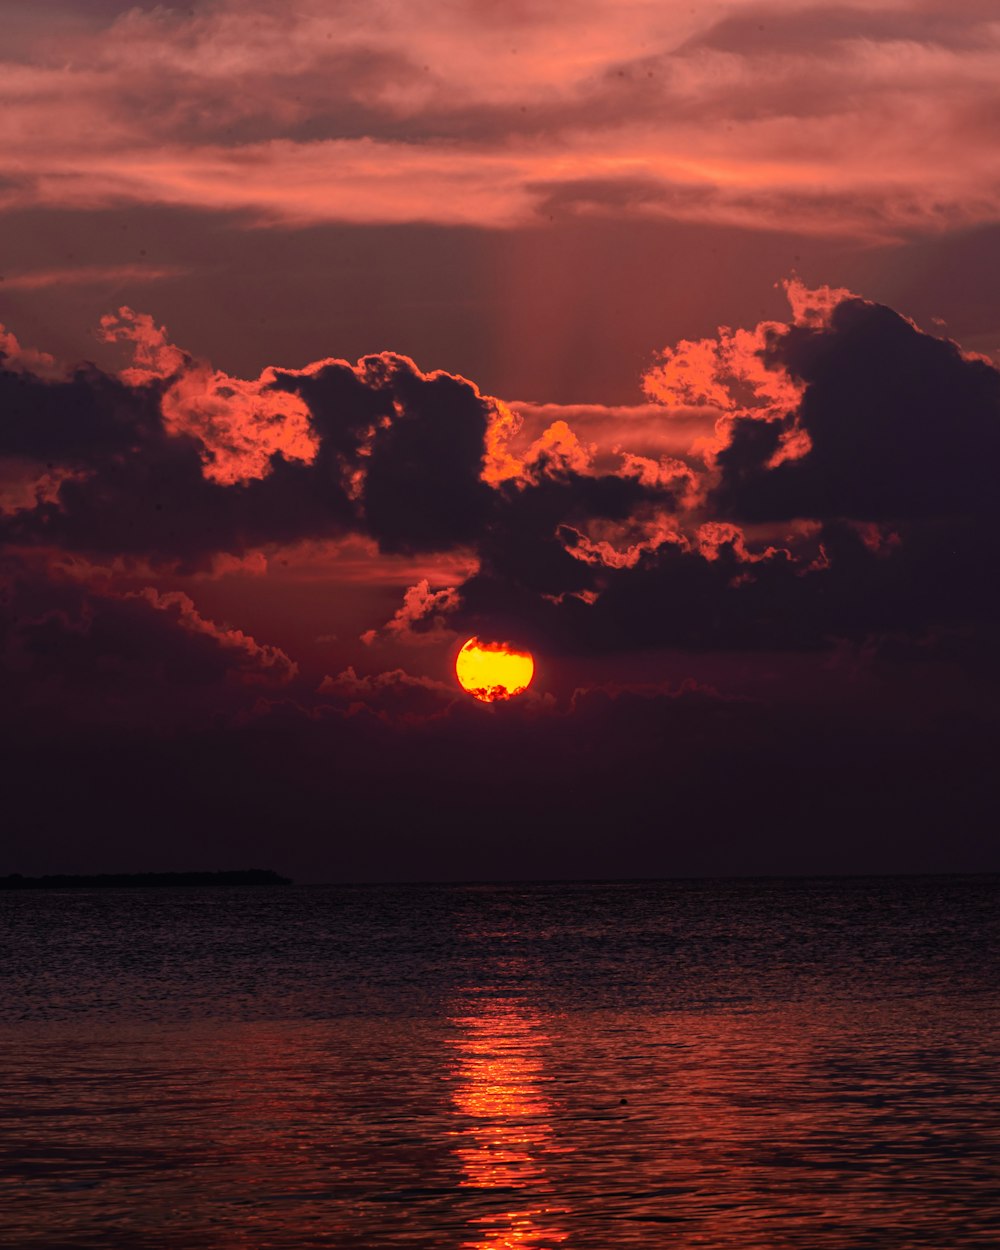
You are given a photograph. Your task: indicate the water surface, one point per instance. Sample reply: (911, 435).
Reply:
(803, 1064)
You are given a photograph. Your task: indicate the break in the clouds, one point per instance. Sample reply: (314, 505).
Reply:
(866, 122)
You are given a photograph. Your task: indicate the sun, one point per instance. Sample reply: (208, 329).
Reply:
(493, 670)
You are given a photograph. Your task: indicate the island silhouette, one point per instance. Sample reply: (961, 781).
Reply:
(146, 880)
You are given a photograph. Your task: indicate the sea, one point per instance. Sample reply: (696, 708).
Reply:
(706, 1064)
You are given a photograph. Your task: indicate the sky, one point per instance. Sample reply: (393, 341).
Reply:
(660, 340)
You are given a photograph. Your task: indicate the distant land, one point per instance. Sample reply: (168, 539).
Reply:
(144, 880)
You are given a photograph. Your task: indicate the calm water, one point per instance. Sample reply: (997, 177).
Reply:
(688, 1064)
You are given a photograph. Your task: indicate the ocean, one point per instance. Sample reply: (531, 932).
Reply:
(744, 1063)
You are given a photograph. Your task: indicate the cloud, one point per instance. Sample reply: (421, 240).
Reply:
(87, 275)
(837, 466)
(422, 616)
(95, 654)
(900, 425)
(644, 429)
(175, 461)
(380, 778)
(395, 697)
(137, 488)
(847, 473)
(833, 119)
(16, 359)
(242, 426)
(246, 659)
(423, 487)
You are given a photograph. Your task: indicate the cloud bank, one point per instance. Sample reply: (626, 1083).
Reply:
(864, 123)
(805, 481)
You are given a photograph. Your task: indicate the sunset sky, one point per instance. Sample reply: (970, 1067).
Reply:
(658, 340)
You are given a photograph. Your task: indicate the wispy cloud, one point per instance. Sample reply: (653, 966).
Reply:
(109, 276)
(834, 121)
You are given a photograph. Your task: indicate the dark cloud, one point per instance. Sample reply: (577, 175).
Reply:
(75, 655)
(766, 30)
(624, 782)
(532, 532)
(903, 426)
(841, 582)
(153, 502)
(897, 494)
(423, 489)
(885, 525)
(399, 457)
(416, 441)
(85, 420)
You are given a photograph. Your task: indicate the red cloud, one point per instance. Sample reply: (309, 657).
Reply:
(247, 660)
(616, 545)
(728, 373)
(241, 424)
(423, 615)
(399, 114)
(734, 374)
(14, 356)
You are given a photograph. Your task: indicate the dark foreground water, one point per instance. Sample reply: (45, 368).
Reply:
(691, 1064)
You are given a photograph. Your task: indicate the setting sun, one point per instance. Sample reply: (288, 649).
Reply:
(493, 670)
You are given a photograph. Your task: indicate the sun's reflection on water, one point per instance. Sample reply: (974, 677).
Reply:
(505, 1127)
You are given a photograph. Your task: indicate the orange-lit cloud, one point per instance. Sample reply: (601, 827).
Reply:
(734, 375)
(423, 616)
(649, 429)
(499, 461)
(727, 373)
(621, 546)
(714, 535)
(812, 306)
(813, 491)
(15, 357)
(240, 424)
(558, 450)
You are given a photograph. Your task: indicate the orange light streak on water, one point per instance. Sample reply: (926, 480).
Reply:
(506, 1130)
